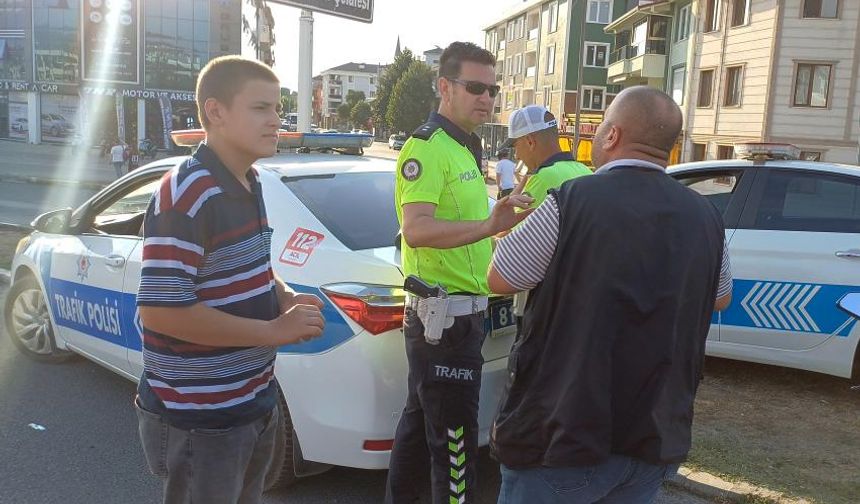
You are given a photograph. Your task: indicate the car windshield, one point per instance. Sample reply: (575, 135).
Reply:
(400, 137)
(358, 208)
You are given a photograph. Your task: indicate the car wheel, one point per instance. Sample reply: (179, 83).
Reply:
(28, 322)
(282, 472)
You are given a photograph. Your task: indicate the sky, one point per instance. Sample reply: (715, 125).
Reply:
(421, 25)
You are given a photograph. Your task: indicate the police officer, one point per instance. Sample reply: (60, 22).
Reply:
(446, 224)
(533, 132)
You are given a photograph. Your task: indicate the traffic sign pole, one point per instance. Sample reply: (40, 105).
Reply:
(306, 49)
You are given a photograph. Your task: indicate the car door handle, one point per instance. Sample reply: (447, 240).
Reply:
(848, 254)
(115, 261)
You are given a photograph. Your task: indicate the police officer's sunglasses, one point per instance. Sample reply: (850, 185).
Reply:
(478, 88)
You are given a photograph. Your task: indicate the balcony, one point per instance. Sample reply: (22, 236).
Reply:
(531, 71)
(646, 60)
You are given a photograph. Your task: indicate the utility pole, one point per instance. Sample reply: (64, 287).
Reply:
(306, 49)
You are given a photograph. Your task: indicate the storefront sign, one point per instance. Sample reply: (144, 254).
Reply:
(120, 118)
(18, 125)
(111, 40)
(59, 119)
(139, 93)
(6, 85)
(167, 118)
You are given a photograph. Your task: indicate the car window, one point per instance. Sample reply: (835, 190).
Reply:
(124, 215)
(803, 201)
(358, 208)
(718, 187)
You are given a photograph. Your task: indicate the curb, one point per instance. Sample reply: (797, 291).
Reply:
(87, 184)
(5, 277)
(719, 490)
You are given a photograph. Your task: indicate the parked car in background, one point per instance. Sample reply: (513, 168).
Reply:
(396, 141)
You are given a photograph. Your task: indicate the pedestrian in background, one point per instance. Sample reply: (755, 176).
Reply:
(627, 267)
(443, 209)
(117, 157)
(505, 178)
(133, 159)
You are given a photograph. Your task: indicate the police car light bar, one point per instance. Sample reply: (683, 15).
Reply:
(764, 151)
(288, 139)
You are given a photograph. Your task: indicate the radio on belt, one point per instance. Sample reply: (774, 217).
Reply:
(432, 307)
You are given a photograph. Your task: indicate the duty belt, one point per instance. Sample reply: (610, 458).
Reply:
(457, 305)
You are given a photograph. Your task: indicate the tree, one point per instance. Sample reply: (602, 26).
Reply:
(262, 14)
(289, 101)
(361, 114)
(343, 113)
(387, 81)
(354, 97)
(412, 99)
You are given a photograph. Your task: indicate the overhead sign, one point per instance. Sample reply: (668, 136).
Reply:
(358, 10)
(110, 40)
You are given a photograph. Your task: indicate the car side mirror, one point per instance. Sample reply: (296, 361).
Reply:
(55, 221)
(851, 303)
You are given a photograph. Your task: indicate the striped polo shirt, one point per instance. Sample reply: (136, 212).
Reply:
(206, 240)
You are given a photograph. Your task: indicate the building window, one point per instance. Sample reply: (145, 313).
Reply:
(712, 15)
(592, 98)
(828, 9)
(510, 30)
(547, 97)
(509, 66)
(521, 22)
(371, 81)
(550, 59)
(177, 42)
(350, 78)
(552, 19)
(682, 26)
(740, 12)
(810, 156)
(599, 11)
(509, 100)
(596, 55)
(518, 64)
(700, 150)
(812, 85)
(706, 88)
(678, 77)
(725, 152)
(734, 84)
(13, 23)
(57, 40)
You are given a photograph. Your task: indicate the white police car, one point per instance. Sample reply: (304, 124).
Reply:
(76, 276)
(793, 229)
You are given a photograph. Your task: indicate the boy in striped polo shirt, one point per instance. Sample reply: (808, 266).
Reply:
(212, 308)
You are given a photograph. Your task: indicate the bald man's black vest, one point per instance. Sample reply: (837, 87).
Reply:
(613, 339)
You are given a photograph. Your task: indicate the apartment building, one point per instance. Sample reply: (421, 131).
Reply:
(775, 71)
(334, 84)
(539, 47)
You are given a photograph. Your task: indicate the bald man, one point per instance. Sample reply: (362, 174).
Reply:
(626, 268)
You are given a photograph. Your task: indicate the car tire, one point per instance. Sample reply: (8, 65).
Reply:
(282, 472)
(28, 322)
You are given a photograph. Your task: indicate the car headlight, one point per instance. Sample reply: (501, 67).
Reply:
(22, 244)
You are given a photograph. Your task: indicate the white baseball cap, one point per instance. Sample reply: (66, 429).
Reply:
(528, 120)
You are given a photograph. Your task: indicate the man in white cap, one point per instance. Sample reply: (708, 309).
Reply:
(533, 132)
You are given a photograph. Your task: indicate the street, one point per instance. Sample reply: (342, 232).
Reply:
(20, 202)
(89, 451)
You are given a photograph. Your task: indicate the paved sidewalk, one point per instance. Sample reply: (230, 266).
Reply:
(56, 164)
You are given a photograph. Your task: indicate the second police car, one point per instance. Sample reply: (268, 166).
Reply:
(75, 280)
(793, 231)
